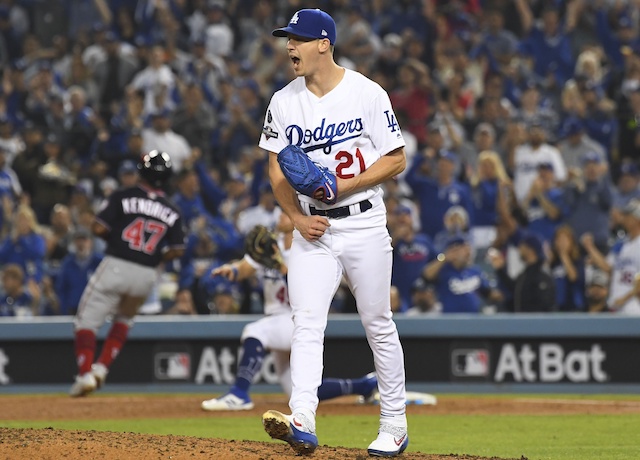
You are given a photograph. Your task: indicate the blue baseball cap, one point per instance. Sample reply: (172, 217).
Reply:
(309, 23)
(573, 126)
(545, 165)
(533, 241)
(447, 155)
(455, 241)
(629, 168)
(591, 157)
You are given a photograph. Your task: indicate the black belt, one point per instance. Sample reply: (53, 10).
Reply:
(338, 213)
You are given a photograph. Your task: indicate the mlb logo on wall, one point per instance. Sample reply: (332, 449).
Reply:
(172, 366)
(470, 362)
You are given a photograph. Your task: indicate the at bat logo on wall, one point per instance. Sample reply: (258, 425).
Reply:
(4, 360)
(470, 363)
(172, 366)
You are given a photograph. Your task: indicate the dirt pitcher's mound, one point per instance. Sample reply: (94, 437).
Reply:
(53, 444)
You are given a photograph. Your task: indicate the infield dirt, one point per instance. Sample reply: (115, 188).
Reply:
(52, 443)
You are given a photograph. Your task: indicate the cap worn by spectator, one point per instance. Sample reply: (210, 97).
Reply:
(402, 209)
(392, 40)
(545, 166)
(127, 167)
(456, 240)
(83, 188)
(111, 36)
(599, 278)
(108, 183)
(573, 126)
(433, 127)
(421, 285)
(19, 65)
(629, 169)
(533, 241)
(309, 23)
(216, 5)
(81, 233)
(632, 209)
(30, 126)
(52, 138)
(457, 210)
(447, 155)
(625, 22)
(160, 113)
(591, 157)
(485, 128)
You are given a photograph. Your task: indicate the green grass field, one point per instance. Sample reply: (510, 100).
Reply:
(557, 437)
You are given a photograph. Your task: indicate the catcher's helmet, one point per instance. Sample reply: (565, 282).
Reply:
(155, 168)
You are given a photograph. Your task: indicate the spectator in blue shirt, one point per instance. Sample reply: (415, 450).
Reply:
(75, 271)
(437, 195)
(10, 190)
(411, 253)
(548, 44)
(15, 300)
(627, 189)
(25, 246)
(614, 41)
(544, 204)
(496, 42)
(588, 198)
(489, 193)
(568, 271)
(197, 195)
(459, 285)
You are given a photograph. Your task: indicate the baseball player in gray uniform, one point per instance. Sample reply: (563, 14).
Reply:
(142, 228)
(345, 123)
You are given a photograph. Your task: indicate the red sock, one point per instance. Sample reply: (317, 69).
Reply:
(114, 343)
(85, 349)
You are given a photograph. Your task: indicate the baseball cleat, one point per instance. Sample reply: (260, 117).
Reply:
(84, 384)
(391, 441)
(294, 429)
(99, 372)
(227, 402)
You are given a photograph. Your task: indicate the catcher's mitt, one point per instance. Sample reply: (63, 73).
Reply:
(261, 245)
(307, 177)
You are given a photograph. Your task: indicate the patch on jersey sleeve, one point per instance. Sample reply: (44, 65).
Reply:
(269, 132)
(392, 124)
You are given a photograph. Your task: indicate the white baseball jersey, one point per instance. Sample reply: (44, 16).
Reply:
(526, 166)
(333, 130)
(274, 286)
(626, 265)
(347, 130)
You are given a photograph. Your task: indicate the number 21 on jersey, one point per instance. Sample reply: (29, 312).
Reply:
(346, 161)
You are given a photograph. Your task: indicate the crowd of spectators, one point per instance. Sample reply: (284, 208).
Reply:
(521, 118)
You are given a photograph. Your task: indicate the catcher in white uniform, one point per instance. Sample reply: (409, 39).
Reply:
(273, 333)
(344, 123)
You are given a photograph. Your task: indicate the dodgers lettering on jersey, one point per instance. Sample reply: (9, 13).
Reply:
(347, 130)
(324, 136)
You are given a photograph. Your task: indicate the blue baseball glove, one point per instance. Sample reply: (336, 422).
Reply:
(307, 177)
